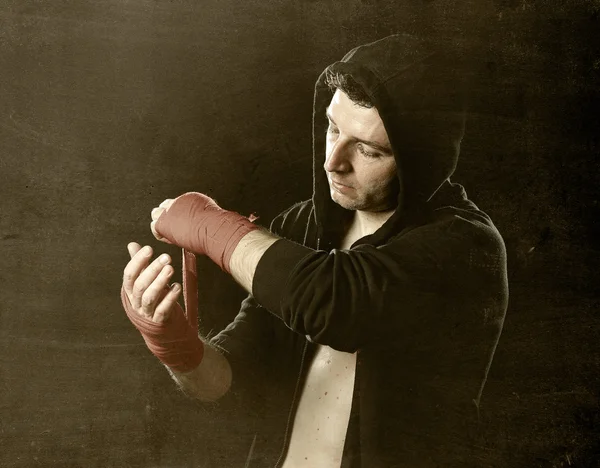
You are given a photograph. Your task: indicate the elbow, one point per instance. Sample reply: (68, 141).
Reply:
(341, 328)
(337, 338)
(217, 380)
(208, 382)
(218, 385)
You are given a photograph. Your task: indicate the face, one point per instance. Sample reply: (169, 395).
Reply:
(359, 162)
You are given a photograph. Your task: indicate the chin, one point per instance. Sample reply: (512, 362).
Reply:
(346, 203)
(362, 205)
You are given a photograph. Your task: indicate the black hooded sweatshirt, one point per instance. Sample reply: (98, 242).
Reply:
(422, 300)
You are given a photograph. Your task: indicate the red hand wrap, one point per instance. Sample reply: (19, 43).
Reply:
(195, 222)
(175, 342)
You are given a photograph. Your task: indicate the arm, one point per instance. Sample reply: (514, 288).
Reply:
(200, 225)
(247, 255)
(346, 298)
(153, 308)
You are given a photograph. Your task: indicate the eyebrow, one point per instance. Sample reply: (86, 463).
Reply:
(378, 146)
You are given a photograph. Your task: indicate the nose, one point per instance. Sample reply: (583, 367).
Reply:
(337, 157)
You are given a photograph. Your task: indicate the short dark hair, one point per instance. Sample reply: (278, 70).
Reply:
(345, 83)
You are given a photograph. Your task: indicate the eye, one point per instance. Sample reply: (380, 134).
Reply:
(331, 130)
(366, 153)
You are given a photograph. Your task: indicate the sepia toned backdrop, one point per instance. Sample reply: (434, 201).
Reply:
(108, 107)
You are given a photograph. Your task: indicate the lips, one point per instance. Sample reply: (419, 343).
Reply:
(340, 184)
(340, 188)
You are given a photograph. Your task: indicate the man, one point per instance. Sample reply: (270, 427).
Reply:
(375, 307)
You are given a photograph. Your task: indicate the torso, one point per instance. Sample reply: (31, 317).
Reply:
(321, 420)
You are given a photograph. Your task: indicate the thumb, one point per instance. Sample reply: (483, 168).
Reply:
(133, 248)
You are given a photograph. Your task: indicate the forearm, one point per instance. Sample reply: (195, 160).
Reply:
(196, 223)
(247, 254)
(210, 380)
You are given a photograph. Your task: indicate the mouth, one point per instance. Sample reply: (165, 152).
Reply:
(339, 187)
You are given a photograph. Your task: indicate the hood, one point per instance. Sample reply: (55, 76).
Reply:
(419, 94)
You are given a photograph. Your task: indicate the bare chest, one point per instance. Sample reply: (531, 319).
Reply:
(321, 421)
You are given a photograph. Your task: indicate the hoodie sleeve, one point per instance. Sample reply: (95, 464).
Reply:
(345, 298)
(246, 342)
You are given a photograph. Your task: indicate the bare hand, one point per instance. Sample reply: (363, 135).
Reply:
(146, 284)
(156, 212)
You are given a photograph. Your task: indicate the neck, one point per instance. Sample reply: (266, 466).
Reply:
(364, 223)
(367, 222)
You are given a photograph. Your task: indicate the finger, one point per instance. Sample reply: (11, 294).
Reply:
(146, 278)
(155, 291)
(156, 212)
(165, 307)
(133, 248)
(136, 265)
(167, 203)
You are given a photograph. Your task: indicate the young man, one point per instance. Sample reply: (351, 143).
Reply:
(375, 307)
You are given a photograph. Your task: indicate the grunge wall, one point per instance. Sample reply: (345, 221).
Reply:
(107, 108)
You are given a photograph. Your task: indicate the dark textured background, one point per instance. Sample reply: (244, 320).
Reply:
(108, 107)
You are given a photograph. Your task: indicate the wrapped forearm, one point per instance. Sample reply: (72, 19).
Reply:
(196, 223)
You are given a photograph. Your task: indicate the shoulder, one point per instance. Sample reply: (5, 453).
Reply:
(454, 237)
(453, 217)
(474, 226)
(473, 242)
(460, 218)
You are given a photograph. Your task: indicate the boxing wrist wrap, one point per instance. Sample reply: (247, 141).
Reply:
(173, 342)
(196, 223)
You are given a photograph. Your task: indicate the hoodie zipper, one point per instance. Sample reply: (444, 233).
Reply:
(293, 406)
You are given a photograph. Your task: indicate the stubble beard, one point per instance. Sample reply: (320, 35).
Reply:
(357, 204)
